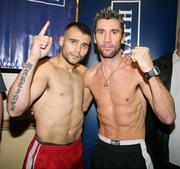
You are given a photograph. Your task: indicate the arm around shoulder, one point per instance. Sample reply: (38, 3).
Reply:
(88, 97)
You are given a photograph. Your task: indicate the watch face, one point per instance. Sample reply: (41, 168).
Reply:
(156, 70)
(153, 72)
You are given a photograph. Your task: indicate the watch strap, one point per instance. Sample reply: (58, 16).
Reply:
(153, 72)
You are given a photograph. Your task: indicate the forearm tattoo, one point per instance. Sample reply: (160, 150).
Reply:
(26, 69)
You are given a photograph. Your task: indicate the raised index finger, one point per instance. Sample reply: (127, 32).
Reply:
(44, 29)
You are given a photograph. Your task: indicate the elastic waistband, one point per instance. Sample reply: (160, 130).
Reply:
(120, 142)
(60, 147)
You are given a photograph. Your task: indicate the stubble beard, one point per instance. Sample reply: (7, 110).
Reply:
(114, 52)
(68, 56)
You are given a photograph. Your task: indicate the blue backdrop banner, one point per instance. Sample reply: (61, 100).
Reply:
(130, 12)
(22, 19)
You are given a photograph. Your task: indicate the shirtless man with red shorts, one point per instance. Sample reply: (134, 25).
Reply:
(53, 87)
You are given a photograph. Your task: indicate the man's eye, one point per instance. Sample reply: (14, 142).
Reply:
(114, 32)
(100, 32)
(85, 46)
(73, 42)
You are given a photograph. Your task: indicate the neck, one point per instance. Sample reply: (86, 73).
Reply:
(108, 67)
(64, 64)
(110, 63)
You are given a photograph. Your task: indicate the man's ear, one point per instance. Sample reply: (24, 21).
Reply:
(61, 40)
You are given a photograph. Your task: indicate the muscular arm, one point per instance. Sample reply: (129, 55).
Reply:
(21, 95)
(87, 99)
(87, 93)
(158, 96)
(160, 99)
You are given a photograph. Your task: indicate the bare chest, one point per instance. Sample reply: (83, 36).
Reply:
(119, 89)
(65, 84)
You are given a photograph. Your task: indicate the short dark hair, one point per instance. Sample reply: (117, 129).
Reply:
(108, 13)
(81, 26)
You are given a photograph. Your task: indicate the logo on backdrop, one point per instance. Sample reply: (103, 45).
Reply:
(130, 12)
(19, 25)
(50, 2)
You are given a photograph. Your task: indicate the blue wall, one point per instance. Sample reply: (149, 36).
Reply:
(158, 30)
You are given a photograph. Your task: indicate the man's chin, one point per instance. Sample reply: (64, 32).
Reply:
(107, 56)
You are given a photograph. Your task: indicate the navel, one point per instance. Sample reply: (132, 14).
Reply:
(127, 99)
(61, 94)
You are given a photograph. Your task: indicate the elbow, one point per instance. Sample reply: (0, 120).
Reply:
(12, 111)
(87, 103)
(11, 114)
(169, 119)
(85, 108)
(15, 108)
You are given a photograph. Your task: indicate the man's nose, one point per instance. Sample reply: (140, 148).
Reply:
(107, 37)
(78, 47)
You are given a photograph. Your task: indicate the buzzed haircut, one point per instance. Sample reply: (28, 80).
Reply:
(81, 26)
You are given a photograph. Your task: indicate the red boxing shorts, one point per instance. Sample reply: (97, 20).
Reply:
(52, 156)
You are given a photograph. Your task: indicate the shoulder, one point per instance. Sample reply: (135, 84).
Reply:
(81, 68)
(48, 63)
(90, 74)
(44, 66)
(44, 61)
(91, 71)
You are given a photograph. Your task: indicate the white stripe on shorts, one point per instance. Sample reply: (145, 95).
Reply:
(31, 159)
(148, 161)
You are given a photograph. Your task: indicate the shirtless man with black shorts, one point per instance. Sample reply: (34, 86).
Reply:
(120, 88)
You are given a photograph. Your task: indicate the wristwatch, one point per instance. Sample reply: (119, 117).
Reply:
(153, 72)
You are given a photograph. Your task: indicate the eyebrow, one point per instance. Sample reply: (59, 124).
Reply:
(101, 29)
(79, 41)
(117, 30)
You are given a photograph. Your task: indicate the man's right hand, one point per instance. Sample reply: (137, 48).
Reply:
(41, 44)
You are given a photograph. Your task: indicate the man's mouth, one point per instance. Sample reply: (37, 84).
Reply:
(76, 57)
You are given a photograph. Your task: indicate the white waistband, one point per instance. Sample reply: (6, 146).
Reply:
(120, 142)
